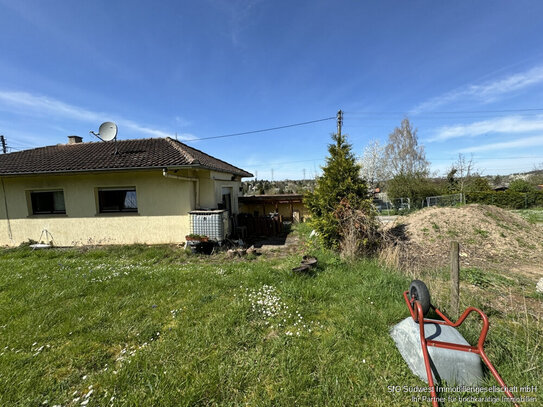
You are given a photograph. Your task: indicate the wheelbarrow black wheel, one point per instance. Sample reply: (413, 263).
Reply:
(419, 292)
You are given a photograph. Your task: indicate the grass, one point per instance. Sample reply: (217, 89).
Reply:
(151, 326)
(484, 278)
(534, 215)
(388, 212)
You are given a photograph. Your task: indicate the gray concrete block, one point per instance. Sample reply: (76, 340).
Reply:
(451, 366)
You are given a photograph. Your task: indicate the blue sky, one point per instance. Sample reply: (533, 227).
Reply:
(468, 74)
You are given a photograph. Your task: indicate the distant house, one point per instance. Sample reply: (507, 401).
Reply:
(131, 191)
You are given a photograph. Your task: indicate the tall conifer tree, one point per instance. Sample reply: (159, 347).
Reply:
(340, 181)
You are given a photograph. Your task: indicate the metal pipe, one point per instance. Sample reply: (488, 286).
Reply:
(420, 317)
(195, 180)
(10, 234)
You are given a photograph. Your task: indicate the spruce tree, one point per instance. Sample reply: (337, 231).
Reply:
(340, 182)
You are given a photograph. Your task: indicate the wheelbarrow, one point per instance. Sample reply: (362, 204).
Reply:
(418, 302)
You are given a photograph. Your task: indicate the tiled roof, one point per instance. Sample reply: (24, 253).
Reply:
(132, 154)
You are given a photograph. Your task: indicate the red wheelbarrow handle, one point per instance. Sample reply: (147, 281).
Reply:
(415, 308)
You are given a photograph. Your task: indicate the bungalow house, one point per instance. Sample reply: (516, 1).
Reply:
(130, 191)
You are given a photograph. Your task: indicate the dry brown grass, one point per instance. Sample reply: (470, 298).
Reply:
(488, 237)
(500, 255)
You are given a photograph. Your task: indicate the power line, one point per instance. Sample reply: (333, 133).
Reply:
(381, 121)
(451, 159)
(451, 111)
(264, 130)
(488, 158)
(20, 144)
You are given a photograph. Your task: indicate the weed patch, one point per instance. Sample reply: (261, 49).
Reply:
(481, 232)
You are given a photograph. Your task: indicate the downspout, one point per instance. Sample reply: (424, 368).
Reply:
(195, 180)
(7, 214)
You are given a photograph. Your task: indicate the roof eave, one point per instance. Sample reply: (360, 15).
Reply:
(160, 167)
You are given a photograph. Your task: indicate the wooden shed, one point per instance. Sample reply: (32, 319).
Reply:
(288, 206)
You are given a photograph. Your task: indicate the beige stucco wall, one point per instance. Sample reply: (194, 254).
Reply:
(162, 217)
(212, 188)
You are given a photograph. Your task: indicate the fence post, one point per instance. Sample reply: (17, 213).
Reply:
(455, 278)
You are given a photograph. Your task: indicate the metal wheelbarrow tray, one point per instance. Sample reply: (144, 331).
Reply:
(418, 302)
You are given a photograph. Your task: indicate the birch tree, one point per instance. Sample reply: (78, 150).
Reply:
(403, 154)
(372, 164)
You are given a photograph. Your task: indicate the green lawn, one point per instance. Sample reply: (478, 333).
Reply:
(152, 326)
(534, 215)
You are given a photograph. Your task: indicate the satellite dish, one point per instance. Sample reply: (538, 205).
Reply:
(107, 131)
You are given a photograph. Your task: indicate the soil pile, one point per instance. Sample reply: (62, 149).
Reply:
(489, 237)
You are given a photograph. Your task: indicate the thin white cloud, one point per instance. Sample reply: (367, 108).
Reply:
(22, 102)
(534, 141)
(486, 92)
(181, 121)
(36, 105)
(489, 166)
(239, 16)
(509, 124)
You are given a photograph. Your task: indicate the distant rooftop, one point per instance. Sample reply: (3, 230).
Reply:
(99, 156)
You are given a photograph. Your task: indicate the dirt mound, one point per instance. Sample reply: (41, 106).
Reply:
(489, 237)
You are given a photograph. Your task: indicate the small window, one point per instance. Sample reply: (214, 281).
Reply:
(47, 202)
(117, 200)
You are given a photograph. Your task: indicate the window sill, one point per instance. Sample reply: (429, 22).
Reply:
(113, 214)
(48, 215)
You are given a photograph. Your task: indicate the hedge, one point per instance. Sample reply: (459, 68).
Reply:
(507, 199)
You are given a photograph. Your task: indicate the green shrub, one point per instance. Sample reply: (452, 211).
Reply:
(520, 185)
(507, 199)
(415, 187)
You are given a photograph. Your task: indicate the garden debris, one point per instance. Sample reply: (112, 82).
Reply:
(308, 263)
(241, 252)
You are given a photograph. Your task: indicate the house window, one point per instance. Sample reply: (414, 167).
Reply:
(117, 200)
(47, 202)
